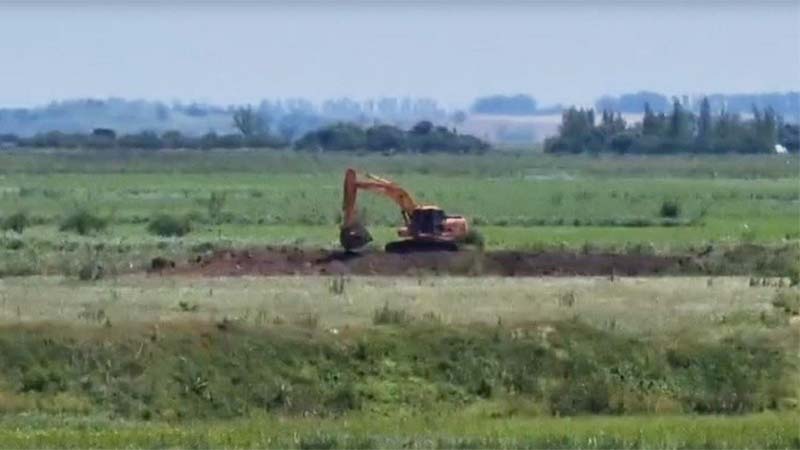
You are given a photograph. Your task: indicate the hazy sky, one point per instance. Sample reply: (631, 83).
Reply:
(449, 51)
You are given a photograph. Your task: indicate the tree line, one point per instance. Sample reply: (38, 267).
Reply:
(424, 137)
(252, 132)
(678, 131)
(288, 118)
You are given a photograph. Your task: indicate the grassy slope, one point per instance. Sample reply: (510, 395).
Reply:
(165, 348)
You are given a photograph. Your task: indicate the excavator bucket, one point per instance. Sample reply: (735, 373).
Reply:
(354, 236)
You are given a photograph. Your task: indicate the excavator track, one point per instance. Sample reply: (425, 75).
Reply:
(413, 246)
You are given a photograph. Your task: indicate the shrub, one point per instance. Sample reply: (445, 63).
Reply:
(337, 285)
(166, 225)
(794, 275)
(670, 209)
(788, 301)
(387, 315)
(15, 222)
(91, 271)
(83, 222)
(475, 237)
(215, 205)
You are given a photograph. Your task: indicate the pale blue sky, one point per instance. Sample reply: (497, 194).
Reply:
(452, 52)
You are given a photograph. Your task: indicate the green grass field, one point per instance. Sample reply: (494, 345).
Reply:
(125, 359)
(764, 431)
(293, 362)
(516, 201)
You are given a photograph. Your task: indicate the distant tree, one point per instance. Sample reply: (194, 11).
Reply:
(767, 130)
(336, 137)
(9, 140)
(248, 122)
(651, 124)
(422, 127)
(230, 141)
(578, 133)
(727, 133)
(173, 139)
(459, 117)
(679, 122)
(518, 105)
(385, 137)
(146, 140)
(208, 141)
(704, 125)
(101, 138)
(423, 137)
(789, 137)
(106, 133)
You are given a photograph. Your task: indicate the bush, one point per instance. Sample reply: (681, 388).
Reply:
(15, 222)
(83, 222)
(91, 271)
(168, 226)
(475, 237)
(788, 301)
(670, 209)
(794, 275)
(387, 315)
(336, 137)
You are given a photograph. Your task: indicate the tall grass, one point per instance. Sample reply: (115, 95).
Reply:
(427, 431)
(228, 369)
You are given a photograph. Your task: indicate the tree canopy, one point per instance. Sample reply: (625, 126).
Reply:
(677, 131)
(423, 137)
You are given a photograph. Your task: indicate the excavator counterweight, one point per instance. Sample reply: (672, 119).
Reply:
(425, 227)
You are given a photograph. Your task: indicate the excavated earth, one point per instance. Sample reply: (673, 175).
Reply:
(299, 261)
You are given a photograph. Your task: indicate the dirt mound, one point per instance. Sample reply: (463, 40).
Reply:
(297, 261)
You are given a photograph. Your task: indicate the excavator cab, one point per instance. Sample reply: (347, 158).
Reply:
(427, 221)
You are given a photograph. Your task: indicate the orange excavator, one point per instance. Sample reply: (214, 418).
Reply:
(425, 227)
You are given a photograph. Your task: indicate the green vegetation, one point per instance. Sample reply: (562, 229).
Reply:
(423, 137)
(680, 131)
(440, 362)
(515, 201)
(430, 431)
(16, 222)
(92, 355)
(83, 222)
(205, 370)
(169, 226)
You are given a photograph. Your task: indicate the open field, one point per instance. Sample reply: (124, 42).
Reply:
(469, 350)
(517, 201)
(636, 305)
(378, 361)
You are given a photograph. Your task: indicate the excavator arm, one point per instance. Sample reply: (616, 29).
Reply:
(353, 234)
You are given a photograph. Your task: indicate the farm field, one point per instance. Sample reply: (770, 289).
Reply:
(621, 302)
(523, 202)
